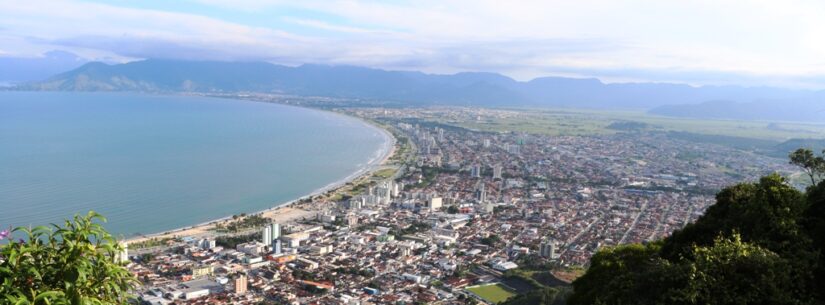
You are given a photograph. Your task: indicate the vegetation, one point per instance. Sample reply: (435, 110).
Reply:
(761, 243)
(577, 122)
(230, 242)
(384, 173)
(543, 296)
(76, 263)
(490, 240)
(152, 242)
(814, 166)
(242, 222)
(494, 293)
(628, 126)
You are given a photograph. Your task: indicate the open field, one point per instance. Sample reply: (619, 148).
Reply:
(494, 293)
(596, 122)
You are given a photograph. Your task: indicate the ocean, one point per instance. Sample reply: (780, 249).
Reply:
(151, 163)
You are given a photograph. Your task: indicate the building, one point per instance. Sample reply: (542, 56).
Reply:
(475, 171)
(201, 271)
(504, 266)
(547, 248)
(240, 284)
(276, 230)
(497, 171)
(434, 203)
(270, 234)
(251, 248)
(481, 194)
(266, 235)
(321, 249)
(207, 243)
(276, 246)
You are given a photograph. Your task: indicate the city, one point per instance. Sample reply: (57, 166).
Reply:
(461, 211)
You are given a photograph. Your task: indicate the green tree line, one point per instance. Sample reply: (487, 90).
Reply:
(761, 243)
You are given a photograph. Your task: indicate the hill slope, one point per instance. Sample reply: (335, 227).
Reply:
(484, 89)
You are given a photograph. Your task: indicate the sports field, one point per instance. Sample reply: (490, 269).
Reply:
(493, 293)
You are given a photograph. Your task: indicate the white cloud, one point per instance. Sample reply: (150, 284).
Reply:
(760, 41)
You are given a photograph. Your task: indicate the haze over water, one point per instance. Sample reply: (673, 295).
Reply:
(152, 163)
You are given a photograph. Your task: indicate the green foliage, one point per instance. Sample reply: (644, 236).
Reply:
(76, 263)
(761, 243)
(814, 223)
(767, 213)
(544, 296)
(490, 240)
(231, 242)
(814, 166)
(729, 271)
(242, 222)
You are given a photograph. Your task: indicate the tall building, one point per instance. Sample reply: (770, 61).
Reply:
(275, 242)
(276, 246)
(497, 171)
(486, 143)
(240, 284)
(481, 194)
(548, 248)
(396, 190)
(266, 235)
(276, 231)
(475, 171)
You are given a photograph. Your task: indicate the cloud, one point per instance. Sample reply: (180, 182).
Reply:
(754, 42)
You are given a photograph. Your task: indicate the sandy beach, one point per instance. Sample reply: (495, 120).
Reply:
(288, 211)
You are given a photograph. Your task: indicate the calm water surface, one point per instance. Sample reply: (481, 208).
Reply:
(152, 163)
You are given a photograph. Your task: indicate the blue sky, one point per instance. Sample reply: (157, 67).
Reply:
(720, 42)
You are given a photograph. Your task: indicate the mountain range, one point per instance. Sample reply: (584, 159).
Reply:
(416, 88)
(15, 70)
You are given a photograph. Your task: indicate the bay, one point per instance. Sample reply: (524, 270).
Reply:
(152, 163)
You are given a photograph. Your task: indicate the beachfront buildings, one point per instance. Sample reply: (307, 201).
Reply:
(466, 209)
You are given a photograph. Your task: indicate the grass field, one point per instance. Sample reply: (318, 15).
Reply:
(384, 173)
(596, 122)
(495, 293)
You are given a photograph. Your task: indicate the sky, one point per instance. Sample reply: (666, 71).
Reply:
(699, 42)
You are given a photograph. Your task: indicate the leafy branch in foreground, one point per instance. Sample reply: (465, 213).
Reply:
(77, 263)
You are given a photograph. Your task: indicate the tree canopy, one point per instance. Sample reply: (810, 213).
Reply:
(761, 243)
(76, 263)
(814, 166)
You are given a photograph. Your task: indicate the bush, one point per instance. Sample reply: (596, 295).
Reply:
(76, 263)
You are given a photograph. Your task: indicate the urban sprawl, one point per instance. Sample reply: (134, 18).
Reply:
(456, 211)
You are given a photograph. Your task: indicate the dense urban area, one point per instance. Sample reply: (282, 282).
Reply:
(456, 216)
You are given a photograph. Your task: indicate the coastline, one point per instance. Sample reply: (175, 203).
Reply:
(285, 211)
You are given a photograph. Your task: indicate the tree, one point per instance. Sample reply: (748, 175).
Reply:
(814, 223)
(543, 296)
(814, 166)
(729, 271)
(761, 243)
(767, 213)
(77, 263)
(735, 272)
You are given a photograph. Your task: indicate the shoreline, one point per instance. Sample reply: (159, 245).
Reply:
(286, 210)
